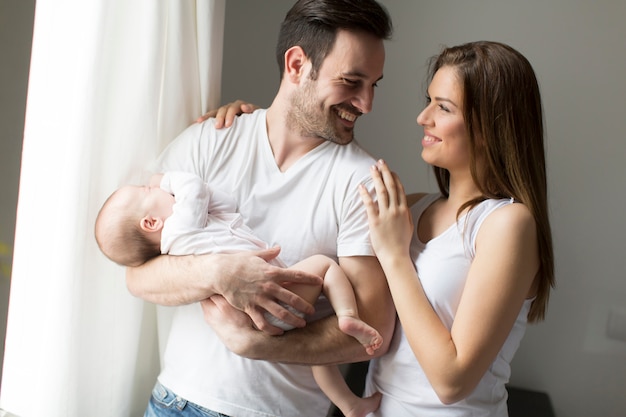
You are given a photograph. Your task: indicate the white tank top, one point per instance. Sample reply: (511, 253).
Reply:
(443, 263)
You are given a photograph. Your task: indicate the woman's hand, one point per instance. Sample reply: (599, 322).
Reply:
(225, 115)
(391, 226)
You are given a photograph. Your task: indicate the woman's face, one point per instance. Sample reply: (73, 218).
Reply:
(446, 142)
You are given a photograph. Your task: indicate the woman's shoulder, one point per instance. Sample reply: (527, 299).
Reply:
(512, 214)
(413, 198)
(515, 218)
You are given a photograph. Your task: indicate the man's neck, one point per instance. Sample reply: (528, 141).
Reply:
(288, 146)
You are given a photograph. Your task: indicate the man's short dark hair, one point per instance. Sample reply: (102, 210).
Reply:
(313, 25)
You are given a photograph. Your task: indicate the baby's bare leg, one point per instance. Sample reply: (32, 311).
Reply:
(340, 293)
(309, 293)
(334, 386)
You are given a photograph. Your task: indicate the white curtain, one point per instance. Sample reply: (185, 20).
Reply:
(111, 83)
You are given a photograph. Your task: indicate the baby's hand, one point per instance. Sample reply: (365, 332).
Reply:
(155, 180)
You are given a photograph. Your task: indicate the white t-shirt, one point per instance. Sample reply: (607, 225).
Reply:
(204, 219)
(313, 207)
(443, 265)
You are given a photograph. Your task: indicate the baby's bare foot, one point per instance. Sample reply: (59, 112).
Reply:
(361, 331)
(364, 406)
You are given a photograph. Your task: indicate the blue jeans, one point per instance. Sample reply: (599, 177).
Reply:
(164, 403)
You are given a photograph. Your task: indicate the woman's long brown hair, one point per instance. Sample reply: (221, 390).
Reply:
(504, 119)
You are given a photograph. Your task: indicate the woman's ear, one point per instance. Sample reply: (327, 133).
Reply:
(151, 224)
(295, 64)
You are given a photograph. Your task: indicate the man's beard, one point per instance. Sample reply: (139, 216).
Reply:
(307, 117)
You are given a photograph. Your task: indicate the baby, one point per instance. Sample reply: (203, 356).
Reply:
(179, 214)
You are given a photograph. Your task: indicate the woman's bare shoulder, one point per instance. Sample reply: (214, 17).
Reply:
(414, 198)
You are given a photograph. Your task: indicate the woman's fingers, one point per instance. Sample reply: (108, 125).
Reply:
(382, 195)
(392, 184)
(371, 207)
(389, 190)
(401, 192)
(225, 115)
(389, 181)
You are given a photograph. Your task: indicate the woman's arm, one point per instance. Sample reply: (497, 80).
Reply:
(499, 280)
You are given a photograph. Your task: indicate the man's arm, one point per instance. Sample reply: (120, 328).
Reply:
(320, 342)
(245, 279)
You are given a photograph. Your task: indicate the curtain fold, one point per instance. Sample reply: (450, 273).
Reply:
(111, 83)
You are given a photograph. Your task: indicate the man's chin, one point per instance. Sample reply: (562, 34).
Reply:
(339, 139)
(345, 138)
(344, 141)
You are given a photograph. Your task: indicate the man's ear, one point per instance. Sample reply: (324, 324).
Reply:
(295, 64)
(151, 224)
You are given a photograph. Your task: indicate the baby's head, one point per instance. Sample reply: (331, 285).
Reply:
(128, 226)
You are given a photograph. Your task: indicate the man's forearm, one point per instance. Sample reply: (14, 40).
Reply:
(321, 342)
(173, 280)
(245, 279)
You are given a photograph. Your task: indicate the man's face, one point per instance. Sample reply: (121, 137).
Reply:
(329, 106)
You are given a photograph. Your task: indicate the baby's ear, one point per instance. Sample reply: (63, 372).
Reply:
(151, 224)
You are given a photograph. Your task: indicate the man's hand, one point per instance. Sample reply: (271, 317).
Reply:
(254, 286)
(234, 328)
(320, 342)
(225, 115)
(245, 279)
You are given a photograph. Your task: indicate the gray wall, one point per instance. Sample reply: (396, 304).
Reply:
(16, 25)
(577, 49)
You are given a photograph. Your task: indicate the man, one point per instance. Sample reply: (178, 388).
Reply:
(295, 174)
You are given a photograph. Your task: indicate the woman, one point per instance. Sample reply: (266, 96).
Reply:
(476, 262)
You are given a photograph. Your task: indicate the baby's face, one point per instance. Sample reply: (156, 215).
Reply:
(149, 199)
